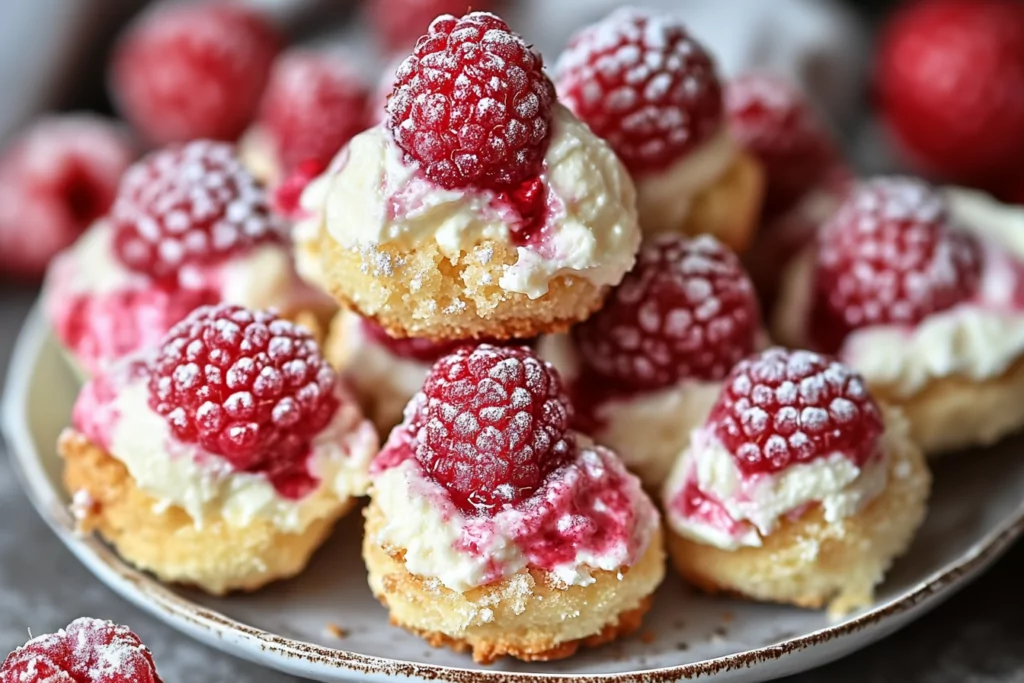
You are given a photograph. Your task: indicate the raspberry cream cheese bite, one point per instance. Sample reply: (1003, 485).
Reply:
(189, 227)
(645, 369)
(641, 82)
(494, 528)
(481, 208)
(799, 488)
(921, 292)
(222, 459)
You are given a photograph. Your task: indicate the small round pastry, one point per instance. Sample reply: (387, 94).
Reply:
(645, 369)
(189, 227)
(798, 489)
(222, 459)
(87, 651)
(481, 208)
(641, 82)
(922, 292)
(494, 528)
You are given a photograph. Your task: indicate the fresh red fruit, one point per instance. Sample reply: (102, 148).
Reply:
(472, 105)
(286, 197)
(641, 82)
(686, 310)
(781, 408)
(88, 651)
(949, 77)
(493, 424)
(400, 22)
(248, 386)
(774, 122)
(315, 102)
(193, 70)
(56, 178)
(189, 205)
(889, 255)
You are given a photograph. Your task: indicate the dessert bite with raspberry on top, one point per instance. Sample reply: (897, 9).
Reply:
(88, 650)
(799, 488)
(222, 457)
(481, 207)
(496, 528)
(189, 227)
(644, 370)
(918, 289)
(640, 81)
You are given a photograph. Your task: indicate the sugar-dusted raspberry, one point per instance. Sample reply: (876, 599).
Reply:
(193, 70)
(780, 408)
(87, 651)
(193, 204)
(472, 104)
(773, 120)
(400, 22)
(314, 104)
(889, 255)
(56, 178)
(247, 386)
(687, 310)
(641, 82)
(493, 424)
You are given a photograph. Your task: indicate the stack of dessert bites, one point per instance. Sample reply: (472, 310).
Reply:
(549, 319)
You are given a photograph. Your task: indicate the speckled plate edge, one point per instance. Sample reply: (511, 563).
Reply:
(307, 659)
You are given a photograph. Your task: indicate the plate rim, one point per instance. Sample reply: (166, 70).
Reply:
(237, 638)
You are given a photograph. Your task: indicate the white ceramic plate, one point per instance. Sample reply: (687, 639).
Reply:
(976, 512)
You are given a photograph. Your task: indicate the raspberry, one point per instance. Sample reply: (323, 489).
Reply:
(55, 179)
(780, 408)
(472, 105)
(774, 121)
(193, 70)
(88, 651)
(493, 424)
(641, 82)
(194, 204)
(400, 22)
(247, 386)
(687, 310)
(314, 104)
(287, 196)
(889, 255)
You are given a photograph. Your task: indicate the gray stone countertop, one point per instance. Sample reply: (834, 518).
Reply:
(977, 637)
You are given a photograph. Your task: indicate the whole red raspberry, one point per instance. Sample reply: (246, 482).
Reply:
(400, 22)
(948, 81)
(472, 105)
(889, 255)
(774, 121)
(686, 310)
(247, 386)
(314, 104)
(193, 70)
(641, 82)
(56, 178)
(780, 408)
(493, 424)
(87, 651)
(192, 205)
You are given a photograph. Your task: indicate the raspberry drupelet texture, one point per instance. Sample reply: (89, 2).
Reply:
(247, 386)
(87, 651)
(491, 425)
(890, 255)
(472, 105)
(641, 82)
(190, 205)
(314, 103)
(780, 407)
(774, 121)
(193, 70)
(686, 310)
